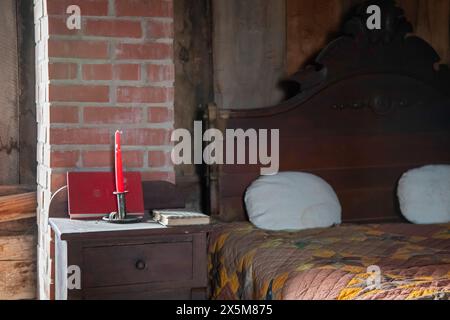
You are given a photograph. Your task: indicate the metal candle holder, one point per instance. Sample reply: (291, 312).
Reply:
(120, 216)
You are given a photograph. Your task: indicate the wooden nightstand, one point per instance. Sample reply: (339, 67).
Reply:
(139, 261)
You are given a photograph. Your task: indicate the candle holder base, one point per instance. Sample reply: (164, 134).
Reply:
(127, 220)
(121, 217)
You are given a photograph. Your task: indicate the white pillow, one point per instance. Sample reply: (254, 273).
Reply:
(292, 201)
(424, 194)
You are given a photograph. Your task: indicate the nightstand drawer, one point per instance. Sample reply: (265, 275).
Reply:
(137, 264)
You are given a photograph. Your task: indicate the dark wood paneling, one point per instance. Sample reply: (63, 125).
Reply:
(359, 205)
(369, 204)
(328, 152)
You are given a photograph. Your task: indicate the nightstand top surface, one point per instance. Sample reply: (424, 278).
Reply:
(70, 229)
(65, 226)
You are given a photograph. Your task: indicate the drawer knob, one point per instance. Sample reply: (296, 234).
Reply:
(140, 265)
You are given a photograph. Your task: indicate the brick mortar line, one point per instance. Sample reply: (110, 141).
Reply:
(146, 159)
(79, 73)
(111, 8)
(113, 93)
(144, 30)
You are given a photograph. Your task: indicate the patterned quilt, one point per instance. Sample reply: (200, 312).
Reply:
(349, 262)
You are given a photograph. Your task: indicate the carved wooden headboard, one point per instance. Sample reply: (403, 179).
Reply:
(373, 105)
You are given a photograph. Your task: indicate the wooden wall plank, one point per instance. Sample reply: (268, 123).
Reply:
(17, 280)
(431, 21)
(9, 120)
(18, 240)
(311, 24)
(249, 52)
(18, 257)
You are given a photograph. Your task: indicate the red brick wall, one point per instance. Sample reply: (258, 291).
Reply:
(116, 72)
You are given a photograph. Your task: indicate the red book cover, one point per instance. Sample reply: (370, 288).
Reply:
(91, 194)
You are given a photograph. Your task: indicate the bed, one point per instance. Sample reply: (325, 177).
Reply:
(373, 105)
(332, 263)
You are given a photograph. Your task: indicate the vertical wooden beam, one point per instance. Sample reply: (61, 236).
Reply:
(9, 120)
(249, 50)
(193, 81)
(26, 86)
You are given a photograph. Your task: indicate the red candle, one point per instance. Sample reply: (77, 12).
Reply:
(118, 163)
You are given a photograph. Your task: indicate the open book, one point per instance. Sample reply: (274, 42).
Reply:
(180, 217)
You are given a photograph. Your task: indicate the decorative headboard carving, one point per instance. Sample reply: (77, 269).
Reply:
(374, 104)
